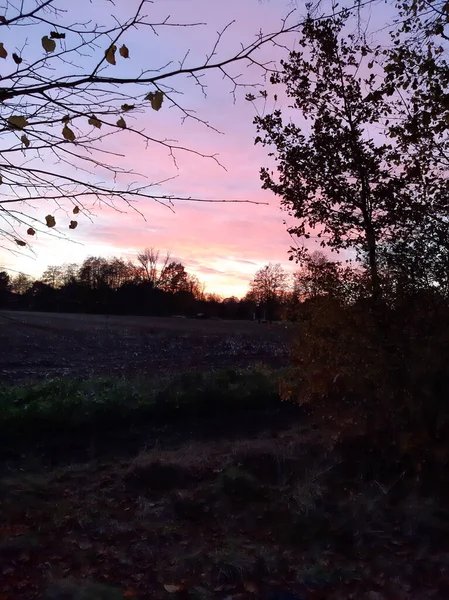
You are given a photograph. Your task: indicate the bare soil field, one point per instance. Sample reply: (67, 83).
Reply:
(36, 346)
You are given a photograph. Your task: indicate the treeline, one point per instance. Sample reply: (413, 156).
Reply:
(156, 285)
(281, 295)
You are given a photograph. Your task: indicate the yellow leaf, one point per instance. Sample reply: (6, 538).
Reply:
(126, 107)
(156, 99)
(50, 220)
(124, 51)
(76, 210)
(25, 141)
(68, 134)
(251, 587)
(20, 242)
(95, 122)
(73, 224)
(173, 589)
(3, 51)
(110, 54)
(30, 231)
(48, 44)
(121, 123)
(17, 122)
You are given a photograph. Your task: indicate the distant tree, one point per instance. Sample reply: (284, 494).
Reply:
(231, 308)
(269, 283)
(53, 276)
(94, 272)
(5, 281)
(21, 283)
(318, 276)
(213, 297)
(42, 296)
(69, 273)
(194, 286)
(118, 272)
(4, 288)
(153, 265)
(269, 287)
(173, 277)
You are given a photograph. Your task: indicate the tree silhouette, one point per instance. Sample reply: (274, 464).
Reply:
(153, 265)
(351, 188)
(268, 288)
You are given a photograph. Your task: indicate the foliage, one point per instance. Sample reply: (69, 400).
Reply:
(377, 371)
(374, 368)
(4, 281)
(416, 84)
(318, 276)
(349, 187)
(269, 283)
(21, 283)
(268, 289)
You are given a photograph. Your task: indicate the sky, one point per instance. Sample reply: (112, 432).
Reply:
(223, 244)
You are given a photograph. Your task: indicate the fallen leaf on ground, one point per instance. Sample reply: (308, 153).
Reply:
(172, 589)
(251, 587)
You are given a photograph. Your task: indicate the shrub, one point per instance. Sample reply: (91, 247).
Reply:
(377, 371)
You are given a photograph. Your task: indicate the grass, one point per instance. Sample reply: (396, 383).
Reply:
(98, 408)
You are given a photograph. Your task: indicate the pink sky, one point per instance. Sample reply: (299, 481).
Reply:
(223, 244)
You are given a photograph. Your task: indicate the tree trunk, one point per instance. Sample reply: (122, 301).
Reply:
(372, 257)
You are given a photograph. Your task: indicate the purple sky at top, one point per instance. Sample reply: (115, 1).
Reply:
(223, 244)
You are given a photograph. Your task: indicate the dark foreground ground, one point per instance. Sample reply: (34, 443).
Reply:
(35, 346)
(276, 518)
(224, 501)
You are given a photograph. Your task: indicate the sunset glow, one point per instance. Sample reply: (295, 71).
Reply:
(223, 244)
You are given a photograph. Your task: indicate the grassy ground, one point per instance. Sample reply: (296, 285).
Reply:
(66, 417)
(268, 509)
